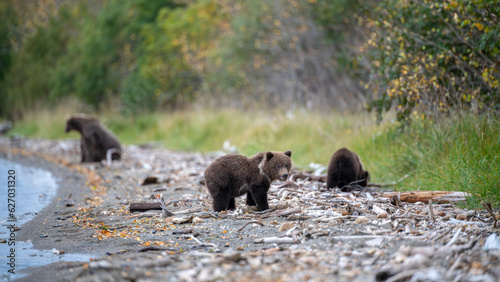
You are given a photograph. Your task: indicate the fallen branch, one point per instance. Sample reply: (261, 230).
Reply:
(454, 238)
(251, 222)
(431, 212)
(153, 248)
(276, 240)
(281, 213)
(212, 245)
(487, 206)
(437, 251)
(164, 205)
(402, 276)
(142, 207)
(425, 196)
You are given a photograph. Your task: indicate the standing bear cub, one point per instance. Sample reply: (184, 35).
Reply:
(95, 139)
(233, 175)
(345, 168)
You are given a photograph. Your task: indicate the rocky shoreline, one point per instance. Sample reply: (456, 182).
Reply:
(313, 234)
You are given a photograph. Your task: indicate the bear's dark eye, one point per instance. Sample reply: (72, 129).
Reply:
(279, 166)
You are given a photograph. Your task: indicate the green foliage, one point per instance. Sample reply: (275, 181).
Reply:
(6, 49)
(433, 57)
(29, 80)
(461, 154)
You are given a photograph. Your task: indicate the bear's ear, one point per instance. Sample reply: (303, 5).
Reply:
(288, 153)
(269, 155)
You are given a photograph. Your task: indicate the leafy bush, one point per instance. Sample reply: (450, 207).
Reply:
(432, 57)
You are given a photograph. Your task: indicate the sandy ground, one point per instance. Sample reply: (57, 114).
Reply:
(322, 235)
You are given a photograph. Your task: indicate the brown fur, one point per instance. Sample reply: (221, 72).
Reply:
(233, 175)
(95, 139)
(345, 168)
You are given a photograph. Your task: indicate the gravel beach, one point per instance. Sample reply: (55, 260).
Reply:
(313, 233)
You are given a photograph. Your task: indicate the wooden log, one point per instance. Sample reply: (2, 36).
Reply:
(141, 207)
(425, 196)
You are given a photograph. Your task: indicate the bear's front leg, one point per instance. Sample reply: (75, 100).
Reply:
(84, 152)
(250, 201)
(232, 204)
(259, 195)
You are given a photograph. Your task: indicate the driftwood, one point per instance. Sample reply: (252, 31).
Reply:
(487, 206)
(425, 196)
(276, 240)
(154, 248)
(280, 213)
(141, 207)
(251, 222)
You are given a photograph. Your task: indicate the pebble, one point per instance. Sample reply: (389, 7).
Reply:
(286, 226)
(382, 215)
(462, 216)
(361, 220)
(197, 220)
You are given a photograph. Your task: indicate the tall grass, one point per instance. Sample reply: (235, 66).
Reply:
(461, 154)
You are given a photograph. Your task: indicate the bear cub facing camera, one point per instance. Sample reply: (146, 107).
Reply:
(95, 139)
(345, 169)
(233, 175)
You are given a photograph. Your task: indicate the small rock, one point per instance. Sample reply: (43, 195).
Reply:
(382, 215)
(286, 226)
(197, 220)
(470, 213)
(462, 216)
(492, 243)
(361, 220)
(180, 220)
(400, 257)
(441, 213)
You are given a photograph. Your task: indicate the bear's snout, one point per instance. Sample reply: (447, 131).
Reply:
(284, 176)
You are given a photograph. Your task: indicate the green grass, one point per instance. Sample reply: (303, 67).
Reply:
(461, 154)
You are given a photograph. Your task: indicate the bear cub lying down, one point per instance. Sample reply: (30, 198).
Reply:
(233, 175)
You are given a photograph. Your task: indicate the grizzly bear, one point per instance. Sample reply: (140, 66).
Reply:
(233, 175)
(345, 169)
(95, 139)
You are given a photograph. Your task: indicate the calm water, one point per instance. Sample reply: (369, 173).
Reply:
(35, 189)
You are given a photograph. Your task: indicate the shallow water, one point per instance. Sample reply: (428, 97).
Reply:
(34, 189)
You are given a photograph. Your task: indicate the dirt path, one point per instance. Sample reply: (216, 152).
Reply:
(322, 236)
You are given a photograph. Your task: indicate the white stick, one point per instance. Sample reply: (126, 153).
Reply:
(276, 240)
(454, 238)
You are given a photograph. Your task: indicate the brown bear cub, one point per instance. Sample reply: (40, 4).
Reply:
(345, 169)
(233, 175)
(95, 139)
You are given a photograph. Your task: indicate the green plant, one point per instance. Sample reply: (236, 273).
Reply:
(430, 58)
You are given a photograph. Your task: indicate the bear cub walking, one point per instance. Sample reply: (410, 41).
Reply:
(345, 168)
(96, 140)
(233, 175)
